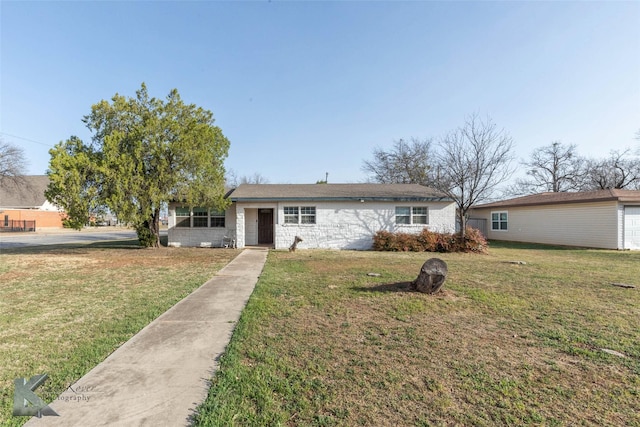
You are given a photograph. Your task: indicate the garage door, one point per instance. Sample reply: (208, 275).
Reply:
(632, 227)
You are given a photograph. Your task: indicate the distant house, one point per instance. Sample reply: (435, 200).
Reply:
(336, 216)
(607, 219)
(24, 206)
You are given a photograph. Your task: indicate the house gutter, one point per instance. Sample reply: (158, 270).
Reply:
(559, 202)
(340, 199)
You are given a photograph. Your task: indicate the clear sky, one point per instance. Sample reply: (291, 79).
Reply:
(305, 88)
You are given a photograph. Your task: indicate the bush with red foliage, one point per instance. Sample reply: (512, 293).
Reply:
(430, 241)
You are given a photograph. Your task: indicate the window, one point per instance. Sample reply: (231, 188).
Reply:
(307, 215)
(412, 215)
(200, 217)
(290, 214)
(499, 220)
(419, 215)
(217, 218)
(299, 214)
(403, 215)
(183, 217)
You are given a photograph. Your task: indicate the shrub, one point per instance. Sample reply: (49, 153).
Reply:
(430, 241)
(384, 241)
(69, 223)
(474, 241)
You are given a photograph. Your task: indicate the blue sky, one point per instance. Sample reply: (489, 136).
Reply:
(305, 88)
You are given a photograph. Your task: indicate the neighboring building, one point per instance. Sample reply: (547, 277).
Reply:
(23, 205)
(335, 216)
(607, 219)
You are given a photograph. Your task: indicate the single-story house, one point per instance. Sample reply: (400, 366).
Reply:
(608, 219)
(23, 205)
(333, 216)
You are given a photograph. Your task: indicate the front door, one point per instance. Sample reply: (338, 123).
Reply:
(265, 226)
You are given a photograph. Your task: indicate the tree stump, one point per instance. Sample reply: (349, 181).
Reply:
(297, 240)
(431, 277)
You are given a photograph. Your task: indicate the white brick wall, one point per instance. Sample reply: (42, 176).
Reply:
(352, 225)
(339, 225)
(200, 237)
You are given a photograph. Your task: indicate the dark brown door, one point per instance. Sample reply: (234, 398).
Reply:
(265, 226)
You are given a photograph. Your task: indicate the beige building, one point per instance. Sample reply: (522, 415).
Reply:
(608, 219)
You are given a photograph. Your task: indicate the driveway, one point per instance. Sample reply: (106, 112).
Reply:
(61, 237)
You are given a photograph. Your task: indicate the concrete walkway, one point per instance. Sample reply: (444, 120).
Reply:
(162, 374)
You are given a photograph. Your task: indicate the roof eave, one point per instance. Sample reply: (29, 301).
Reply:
(554, 202)
(629, 199)
(340, 199)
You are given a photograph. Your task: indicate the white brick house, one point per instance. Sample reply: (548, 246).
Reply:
(332, 216)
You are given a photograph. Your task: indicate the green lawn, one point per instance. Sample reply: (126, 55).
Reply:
(64, 309)
(321, 343)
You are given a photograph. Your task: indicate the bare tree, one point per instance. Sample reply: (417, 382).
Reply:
(555, 168)
(12, 162)
(473, 160)
(233, 180)
(256, 178)
(408, 162)
(619, 170)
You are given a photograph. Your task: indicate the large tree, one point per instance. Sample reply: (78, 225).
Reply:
(76, 181)
(620, 170)
(12, 162)
(553, 168)
(473, 161)
(408, 162)
(144, 152)
(467, 165)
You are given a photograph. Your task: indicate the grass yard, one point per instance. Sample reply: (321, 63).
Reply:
(64, 309)
(321, 343)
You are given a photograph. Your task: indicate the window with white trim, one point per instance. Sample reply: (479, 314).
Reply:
(299, 214)
(307, 215)
(412, 215)
(183, 217)
(202, 218)
(290, 214)
(499, 221)
(419, 215)
(217, 218)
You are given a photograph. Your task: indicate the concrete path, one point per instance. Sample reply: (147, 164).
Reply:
(161, 375)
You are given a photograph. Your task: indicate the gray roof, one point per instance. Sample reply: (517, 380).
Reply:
(25, 192)
(336, 192)
(632, 196)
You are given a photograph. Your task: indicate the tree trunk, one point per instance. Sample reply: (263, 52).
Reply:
(463, 225)
(149, 231)
(155, 227)
(432, 276)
